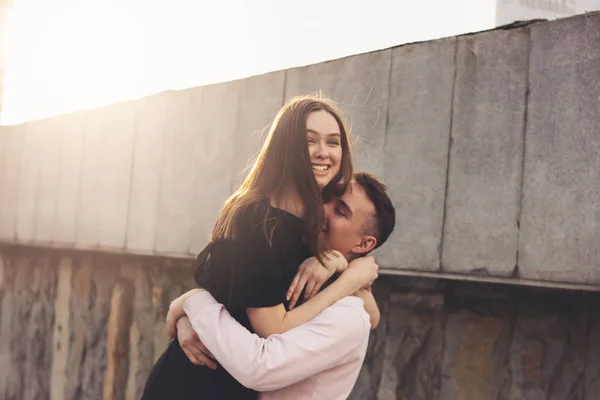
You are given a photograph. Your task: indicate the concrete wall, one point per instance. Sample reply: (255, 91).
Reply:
(81, 325)
(488, 143)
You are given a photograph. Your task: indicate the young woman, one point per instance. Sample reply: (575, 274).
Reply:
(266, 229)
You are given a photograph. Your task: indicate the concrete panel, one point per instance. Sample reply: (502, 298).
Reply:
(115, 179)
(416, 152)
(88, 218)
(71, 131)
(361, 85)
(213, 158)
(175, 201)
(484, 176)
(261, 100)
(145, 180)
(560, 221)
(49, 139)
(10, 167)
(28, 178)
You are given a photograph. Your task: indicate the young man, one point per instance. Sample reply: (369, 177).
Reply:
(322, 358)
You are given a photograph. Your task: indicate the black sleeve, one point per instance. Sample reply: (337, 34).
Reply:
(256, 277)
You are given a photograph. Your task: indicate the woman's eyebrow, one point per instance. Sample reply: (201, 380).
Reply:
(325, 134)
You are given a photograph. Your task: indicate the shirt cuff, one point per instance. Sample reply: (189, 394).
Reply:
(197, 302)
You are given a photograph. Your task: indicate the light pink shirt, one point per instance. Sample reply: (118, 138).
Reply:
(318, 360)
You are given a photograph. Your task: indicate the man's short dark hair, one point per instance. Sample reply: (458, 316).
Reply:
(385, 213)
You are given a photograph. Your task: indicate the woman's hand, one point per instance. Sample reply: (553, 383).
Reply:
(191, 345)
(312, 275)
(176, 311)
(361, 272)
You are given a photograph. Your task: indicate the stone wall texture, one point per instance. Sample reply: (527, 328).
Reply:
(81, 325)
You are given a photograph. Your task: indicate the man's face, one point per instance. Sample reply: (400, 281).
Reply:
(347, 222)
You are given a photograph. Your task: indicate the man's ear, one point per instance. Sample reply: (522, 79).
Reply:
(367, 243)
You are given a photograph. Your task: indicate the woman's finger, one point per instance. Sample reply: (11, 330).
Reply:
(293, 285)
(316, 289)
(298, 290)
(310, 286)
(190, 356)
(203, 349)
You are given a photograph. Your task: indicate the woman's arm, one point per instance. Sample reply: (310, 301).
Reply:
(268, 321)
(370, 306)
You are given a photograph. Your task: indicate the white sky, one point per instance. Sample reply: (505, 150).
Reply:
(64, 55)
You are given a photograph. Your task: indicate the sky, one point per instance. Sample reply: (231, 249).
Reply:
(67, 55)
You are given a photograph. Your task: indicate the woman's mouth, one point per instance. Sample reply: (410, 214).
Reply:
(319, 168)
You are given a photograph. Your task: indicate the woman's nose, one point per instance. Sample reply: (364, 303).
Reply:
(322, 152)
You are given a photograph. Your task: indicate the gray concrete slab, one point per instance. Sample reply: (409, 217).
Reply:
(560, 220)
(146, 172)
(116, 164)
(88, 216)
(49, 139)
(176, 194)
(484, 177)
(72, 136)
(416, 152)
(360, 84)
(214, 158)
(10, 167)
(28, 179)
(261, 99)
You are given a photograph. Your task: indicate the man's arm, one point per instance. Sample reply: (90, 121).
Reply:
(282, 359)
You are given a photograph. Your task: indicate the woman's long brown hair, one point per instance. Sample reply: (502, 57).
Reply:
(284, 162)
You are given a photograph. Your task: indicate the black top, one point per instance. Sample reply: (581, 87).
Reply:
(253, 270)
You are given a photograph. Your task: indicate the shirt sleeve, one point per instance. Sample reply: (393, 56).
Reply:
(329, 340)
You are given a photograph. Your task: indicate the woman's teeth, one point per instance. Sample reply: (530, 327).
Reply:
(320, 167)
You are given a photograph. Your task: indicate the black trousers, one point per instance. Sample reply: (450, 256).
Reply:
(175, 377)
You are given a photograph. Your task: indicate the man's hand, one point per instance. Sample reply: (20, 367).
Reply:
(176, 311)
(312, 275)
(192, 346)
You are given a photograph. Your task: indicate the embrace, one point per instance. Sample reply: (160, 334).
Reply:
(283, 308)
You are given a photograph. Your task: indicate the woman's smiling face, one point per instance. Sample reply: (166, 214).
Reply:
(324, 146)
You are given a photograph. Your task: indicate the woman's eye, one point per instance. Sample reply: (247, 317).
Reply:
(311, 141)
(334, 143)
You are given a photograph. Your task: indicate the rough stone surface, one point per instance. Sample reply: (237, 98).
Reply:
(413, 350)
(549, 347)
(261, 99)
(477, 338)
(27, 299)
(416, 152)
(561, 196)
(146, 172)
(360, 84)
(436, 340)
(484, 176)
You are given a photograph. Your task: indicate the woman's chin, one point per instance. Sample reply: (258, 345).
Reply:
(322, 181)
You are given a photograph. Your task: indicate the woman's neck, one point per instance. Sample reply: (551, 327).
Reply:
(288, 201)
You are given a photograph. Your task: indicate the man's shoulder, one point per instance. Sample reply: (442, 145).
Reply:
(349, 311)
